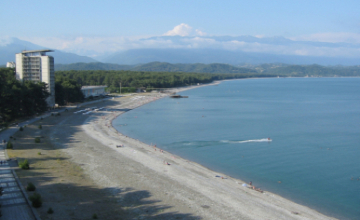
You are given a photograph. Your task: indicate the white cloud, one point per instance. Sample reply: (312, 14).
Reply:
(341, 37)
(181, 30)
(200, 33)
(184, 30)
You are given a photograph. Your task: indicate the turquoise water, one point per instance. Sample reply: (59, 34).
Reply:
(314, 124)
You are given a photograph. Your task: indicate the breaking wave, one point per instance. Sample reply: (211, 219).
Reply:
(212, 143)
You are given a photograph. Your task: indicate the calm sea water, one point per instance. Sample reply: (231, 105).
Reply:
(314, 124)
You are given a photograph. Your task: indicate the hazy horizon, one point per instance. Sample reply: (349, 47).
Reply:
(99, 29)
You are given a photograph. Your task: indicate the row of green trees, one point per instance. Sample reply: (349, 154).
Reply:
(67, 90)
(20, 99)
(135, 79)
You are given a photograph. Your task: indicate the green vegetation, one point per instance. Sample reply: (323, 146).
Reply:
(158, 67)
(20, 99)
(30, 187)
(36, 200)
(94, 216)
(92, 66)
(39, 153)
(192, 68)
(309, 70)
(9, 145)
(67, 90)
(37, 140)
(148, 80)
(24, 165)
(40, 127)
(21, 129)
(271, 68)
(50, 211)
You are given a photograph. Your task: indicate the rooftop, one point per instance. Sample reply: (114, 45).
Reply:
(36, 51)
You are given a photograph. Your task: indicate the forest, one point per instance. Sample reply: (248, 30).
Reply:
(136, 79)
(20, 99)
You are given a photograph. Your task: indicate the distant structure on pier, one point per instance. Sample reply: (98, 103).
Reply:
(35, 65)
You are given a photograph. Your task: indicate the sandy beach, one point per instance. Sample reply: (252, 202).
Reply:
(146, 182)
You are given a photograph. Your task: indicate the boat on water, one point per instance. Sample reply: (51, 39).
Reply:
(178, 96)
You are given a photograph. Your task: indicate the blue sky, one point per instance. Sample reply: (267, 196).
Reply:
(68, 24)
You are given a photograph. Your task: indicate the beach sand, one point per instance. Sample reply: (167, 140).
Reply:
(137, 180)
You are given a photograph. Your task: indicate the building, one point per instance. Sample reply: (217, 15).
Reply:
(35, 65)
(10, 65)
(93, 91)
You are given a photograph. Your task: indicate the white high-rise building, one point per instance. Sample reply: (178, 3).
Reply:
(36, 66)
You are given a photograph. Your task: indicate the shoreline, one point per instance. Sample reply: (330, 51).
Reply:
(193, 175)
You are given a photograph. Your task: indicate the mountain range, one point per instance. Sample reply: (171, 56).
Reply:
(13, 46)
(158, 67)
(207, 56)
(274, 69)
(206, 50)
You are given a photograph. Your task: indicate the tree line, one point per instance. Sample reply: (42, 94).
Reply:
(136, 79)
(19, 99)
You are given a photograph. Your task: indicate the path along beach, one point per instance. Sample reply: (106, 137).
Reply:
(160, 185)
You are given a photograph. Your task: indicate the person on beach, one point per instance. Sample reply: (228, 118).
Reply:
(250, 183)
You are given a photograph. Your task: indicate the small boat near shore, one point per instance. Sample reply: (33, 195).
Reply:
(178, 96)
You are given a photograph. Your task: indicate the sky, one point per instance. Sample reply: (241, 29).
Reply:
(95, 28)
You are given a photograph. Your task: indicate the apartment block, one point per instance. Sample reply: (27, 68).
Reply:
(35, 65)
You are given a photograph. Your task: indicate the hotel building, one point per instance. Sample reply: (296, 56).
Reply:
(35, 65)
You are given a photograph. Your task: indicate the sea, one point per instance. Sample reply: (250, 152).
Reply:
(313, 157)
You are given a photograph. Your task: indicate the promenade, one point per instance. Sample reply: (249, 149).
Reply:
(13, 202)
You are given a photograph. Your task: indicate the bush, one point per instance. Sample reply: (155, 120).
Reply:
(9, 145)
(58, 114)
(40, 127)
(21, 128)
(50, 211)
(36, 200)
(24, 165)
(30, 187)
(39, 153)
(37, 140)
(94, 216)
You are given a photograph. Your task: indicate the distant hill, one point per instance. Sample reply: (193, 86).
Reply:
(92, 66)
(14, 46)
(313, 71)
(158, 67)
(207, 56)
(196, 68)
